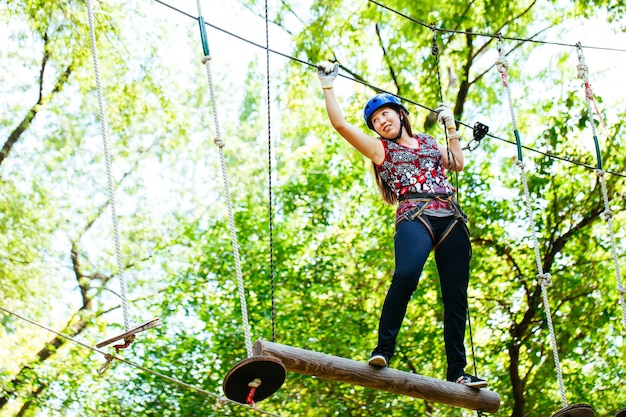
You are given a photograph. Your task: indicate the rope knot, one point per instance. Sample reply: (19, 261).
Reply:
(502, 64)
(607, 214)
(503, 67)
(127, 342)
(109, 358)
(545, 279)
(219, 142)
(583, 70)
(520, 164)
(254, 384)
(206, 59)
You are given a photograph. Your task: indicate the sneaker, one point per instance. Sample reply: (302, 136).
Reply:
(471, 381)
(378, 360)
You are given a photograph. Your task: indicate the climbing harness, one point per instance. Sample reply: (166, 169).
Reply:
(418, 213)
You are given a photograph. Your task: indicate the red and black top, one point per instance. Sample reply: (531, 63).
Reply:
(416, 171)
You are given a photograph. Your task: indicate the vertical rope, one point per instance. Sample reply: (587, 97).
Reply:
(107, 157)
(269, 173)
(231, 218)
(583, 72)
(544, 279)
(435, 52)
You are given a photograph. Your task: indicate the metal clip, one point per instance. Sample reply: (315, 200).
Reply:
(479, 131)
(127, 335)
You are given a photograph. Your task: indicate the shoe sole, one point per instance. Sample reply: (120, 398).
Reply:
(481, 384)
(377, 361)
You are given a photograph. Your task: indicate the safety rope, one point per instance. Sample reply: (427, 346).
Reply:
(110, 358)
(206, 60)
(435, 53)
(107, 157)
(583, 73)
(544, 279)
(269, 174)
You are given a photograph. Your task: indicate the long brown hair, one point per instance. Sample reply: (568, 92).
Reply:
(389, 196)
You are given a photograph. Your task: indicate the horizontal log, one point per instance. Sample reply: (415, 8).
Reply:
(335, 368)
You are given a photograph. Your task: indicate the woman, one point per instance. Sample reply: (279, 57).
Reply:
(409, 170)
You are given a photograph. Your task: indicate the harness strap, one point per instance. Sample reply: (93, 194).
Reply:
(419, 214)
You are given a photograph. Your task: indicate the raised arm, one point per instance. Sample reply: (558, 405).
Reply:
(369, 146)
(452, 155)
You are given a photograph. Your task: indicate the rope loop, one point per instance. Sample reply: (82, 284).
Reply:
(103, 368)
(503, 66)
(579, 51)
(607, 214)
(499, 42)
(521, 164)
(545, 279)
(600, 172)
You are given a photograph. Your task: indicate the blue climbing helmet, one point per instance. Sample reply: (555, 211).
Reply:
(378, 101)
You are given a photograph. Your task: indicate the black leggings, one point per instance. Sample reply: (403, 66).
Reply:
(413, 243)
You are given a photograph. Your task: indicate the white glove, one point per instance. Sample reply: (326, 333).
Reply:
(327, 72)
(445, 116)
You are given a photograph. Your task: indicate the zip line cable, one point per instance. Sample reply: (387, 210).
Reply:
(111, 357)
(366, 84)
(491, 35)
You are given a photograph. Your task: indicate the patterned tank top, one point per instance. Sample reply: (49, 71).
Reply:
(416, 170)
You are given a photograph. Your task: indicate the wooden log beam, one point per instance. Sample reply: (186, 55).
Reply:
(335, 368)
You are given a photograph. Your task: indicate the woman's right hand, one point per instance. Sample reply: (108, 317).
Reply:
(327, 72)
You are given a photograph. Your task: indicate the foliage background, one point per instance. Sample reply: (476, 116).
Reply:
(326, 264)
